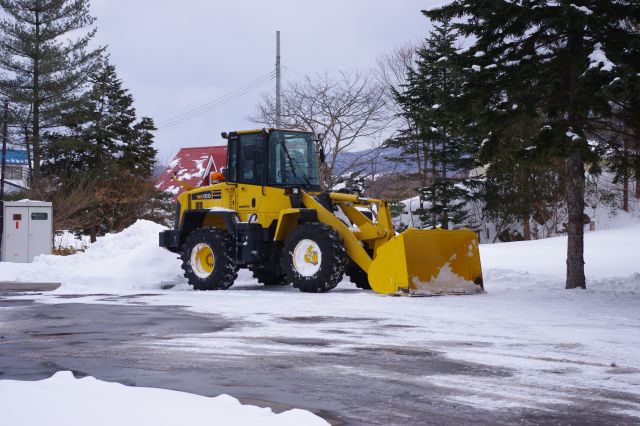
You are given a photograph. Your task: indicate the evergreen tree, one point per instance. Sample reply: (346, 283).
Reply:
(553, 61)
(518, 185)
(45, 63)
(432, 101)
(624, 156)
(108, 143)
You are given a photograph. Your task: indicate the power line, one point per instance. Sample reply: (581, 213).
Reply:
(215, 103)
(258, 80)
(295, 72)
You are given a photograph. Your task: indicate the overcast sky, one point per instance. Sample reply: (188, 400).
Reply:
(177, 55)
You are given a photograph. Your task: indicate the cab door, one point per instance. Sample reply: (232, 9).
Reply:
(249, 159)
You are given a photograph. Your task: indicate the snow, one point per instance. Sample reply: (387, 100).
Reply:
(582, 9)
(65, 400)
(339, 186)
(128, 261)
(556, 343)
(573, 136)
(598, 59)
(611, 257)
(447, 281)
(67, 239)
(476, 68)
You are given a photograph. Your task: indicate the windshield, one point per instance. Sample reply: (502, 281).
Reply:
(292, 159)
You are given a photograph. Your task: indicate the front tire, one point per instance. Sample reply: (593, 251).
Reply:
(314, 258)
(208, 259)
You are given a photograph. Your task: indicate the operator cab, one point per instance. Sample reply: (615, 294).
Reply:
(276, 158)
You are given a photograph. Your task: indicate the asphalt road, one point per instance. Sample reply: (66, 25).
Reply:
(371, 386)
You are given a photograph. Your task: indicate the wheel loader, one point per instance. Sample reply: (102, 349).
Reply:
(269, 214)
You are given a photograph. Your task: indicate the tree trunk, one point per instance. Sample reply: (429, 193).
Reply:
(638, 178)
(36, 104)
(526, 227)
(445, 198)
(27, 146)
(625, 177)
(575, 228)
(93, 232)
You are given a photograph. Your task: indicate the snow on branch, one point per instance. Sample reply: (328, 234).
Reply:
(599, 59)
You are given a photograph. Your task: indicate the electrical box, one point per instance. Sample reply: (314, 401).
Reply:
(27, 231)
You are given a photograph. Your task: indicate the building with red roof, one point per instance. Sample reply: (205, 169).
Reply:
(192, 166)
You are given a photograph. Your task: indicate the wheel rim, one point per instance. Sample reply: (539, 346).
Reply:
(307, 258)
(202, 260)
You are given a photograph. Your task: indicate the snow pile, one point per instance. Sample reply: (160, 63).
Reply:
(610, 253)
(66, 239)
(129, 260)
(64, 400)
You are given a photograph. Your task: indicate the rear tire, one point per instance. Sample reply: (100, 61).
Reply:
(314, 258)
(208, 259)
(357, 275)
(269, 278)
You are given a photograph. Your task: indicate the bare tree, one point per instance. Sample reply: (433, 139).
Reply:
(347, 110)
(391, 72)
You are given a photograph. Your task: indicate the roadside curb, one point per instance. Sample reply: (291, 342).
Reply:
(26, 286)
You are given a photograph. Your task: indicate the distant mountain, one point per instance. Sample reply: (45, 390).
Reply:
(378, 161)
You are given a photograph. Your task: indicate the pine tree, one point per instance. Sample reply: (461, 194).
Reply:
(45, 63)
(432, 101)
(552, 61)
(624, 156)
(108, 143)
(518, 185)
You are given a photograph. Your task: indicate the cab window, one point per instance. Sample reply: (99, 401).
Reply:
(249, 151)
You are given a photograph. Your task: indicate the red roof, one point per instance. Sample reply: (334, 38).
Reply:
(192, 166)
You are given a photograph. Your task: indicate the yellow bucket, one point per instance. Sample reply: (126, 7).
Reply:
(428, 263)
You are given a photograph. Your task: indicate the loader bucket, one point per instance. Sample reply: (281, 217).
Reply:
(428, 263)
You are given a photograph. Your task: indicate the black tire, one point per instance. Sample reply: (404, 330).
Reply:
(332, 258)
(222, 246)
(357, 275)
(267, 277)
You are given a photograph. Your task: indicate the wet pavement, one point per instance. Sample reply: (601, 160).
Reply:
(366, 386)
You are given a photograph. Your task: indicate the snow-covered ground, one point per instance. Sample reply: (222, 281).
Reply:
(65, 400)
(560, 344)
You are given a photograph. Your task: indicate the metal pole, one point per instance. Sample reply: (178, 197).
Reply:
(278, 83)
(5, 136)
(3, 169)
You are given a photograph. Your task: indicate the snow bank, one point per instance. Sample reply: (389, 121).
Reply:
(131, 261)
(127, 261)
(611, 261)
(64, 400)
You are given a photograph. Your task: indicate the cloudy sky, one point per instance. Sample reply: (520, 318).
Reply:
(175, 56)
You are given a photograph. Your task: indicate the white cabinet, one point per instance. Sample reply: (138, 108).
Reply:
(28, 230)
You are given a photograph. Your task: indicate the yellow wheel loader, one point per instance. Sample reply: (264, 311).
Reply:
(269, 215)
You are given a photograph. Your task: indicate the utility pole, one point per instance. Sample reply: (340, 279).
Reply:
(5, 136)
(278, 83)
(3, 169)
